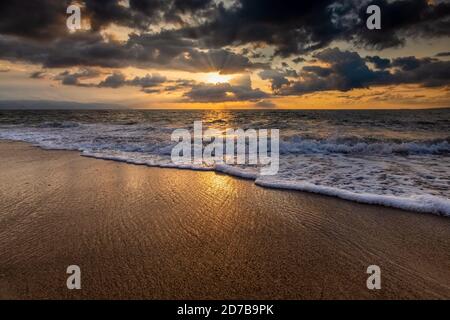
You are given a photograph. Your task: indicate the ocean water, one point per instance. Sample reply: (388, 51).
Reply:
(393, 158)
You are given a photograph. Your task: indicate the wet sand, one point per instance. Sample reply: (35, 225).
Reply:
(139, 232)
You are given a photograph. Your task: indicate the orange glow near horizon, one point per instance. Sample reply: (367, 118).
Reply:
(16, 82)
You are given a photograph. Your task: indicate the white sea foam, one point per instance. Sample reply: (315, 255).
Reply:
(247, 173)
(419, 203)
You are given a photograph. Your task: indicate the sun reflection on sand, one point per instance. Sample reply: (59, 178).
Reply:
(218, 182)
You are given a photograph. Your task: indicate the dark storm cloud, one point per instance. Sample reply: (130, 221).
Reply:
(348, 70)
(410, 63)
(141, 14)
(426, 72)
(378, 62)
(80, 49)
(291, 26)
(162, 51)
(277, 78)
(46, 19)
(296, 27)
(34, 19)
(402, 19)
(319, 71)
(104, 12)
(186, 6)
(171, 50)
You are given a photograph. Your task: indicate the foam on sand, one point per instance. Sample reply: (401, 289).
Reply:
(420, 203)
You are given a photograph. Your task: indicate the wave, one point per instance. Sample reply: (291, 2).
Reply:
(56, 124)
(298, 145)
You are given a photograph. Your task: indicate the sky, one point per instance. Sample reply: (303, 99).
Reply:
(228, 54)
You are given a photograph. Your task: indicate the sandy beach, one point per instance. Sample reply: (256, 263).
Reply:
(140, 232)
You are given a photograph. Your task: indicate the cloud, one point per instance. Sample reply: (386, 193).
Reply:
(148, 81)
(347, 70)
(180, 84)
(151, 91)
(290, 26)
(115, 80)
(38, 75)
(48, 17)
(427, 72)
(105, 12)
(239, 89)
(402, 19)
(73, 78)
(207, 31)
(34, 19)
(161, 51)
(143, 13)
(338, 70)
(276, 77)
(378, 62)
(298, 60)
(298, 27)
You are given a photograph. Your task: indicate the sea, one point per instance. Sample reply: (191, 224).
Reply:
(395, 158)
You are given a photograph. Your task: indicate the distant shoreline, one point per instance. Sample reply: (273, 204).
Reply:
(32, 105)
(24, 105)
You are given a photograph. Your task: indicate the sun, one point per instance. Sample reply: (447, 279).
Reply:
(216, 77)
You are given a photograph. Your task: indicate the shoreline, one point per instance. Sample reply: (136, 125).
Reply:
(142, 232)
(425, 204)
